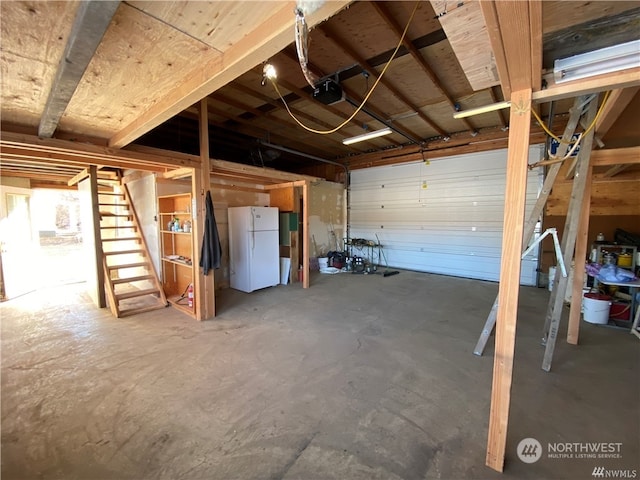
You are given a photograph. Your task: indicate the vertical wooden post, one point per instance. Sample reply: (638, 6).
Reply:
(97, 295)
(582, 242)
(204, 292)
(514, 203)
(530, 226)
(305, 237)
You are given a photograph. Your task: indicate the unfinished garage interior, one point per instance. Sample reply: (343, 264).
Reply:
(441, 178)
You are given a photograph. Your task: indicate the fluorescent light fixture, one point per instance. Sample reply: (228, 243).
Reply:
(598, 62)
(367, 136)
(486, 109)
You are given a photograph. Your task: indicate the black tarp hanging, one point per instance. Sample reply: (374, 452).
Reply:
(211, 251)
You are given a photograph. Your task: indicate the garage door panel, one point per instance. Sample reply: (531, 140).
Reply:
(443, 218)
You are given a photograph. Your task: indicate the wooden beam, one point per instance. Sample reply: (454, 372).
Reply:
(613, 171)
(536, 213)
(386, 15)
(616, 156)
(298, 183)
(513, 224)
(302, 96)
(76, 178)
(344, 45)
(616, 104)
(99, 296)
(610, 81)
(287, 125)
(183, 172)
(371, 109)
(582, 242)
(201, 184)
(515, 27)
(490, 15)
(91, 22)
(110, 157)
(535, 32)
(305, 236)
(235, 187)
(265, 40)
(268, 175)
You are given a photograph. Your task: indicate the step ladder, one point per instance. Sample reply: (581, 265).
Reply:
(131, 282)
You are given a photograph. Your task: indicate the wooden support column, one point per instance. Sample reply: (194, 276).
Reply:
(204, 292)
(582, 242)
(530, 226)
(305, 236)
(518, 153)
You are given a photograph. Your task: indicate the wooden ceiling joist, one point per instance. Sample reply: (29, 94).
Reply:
(249, 127)
(616, 103)
(386, 15)
(490, 16)
(111, 157)
(91, 22)
(302, 93)
(289, 125)
(344, 45)
(262, 175)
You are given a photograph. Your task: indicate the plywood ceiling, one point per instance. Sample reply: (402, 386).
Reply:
(157, 59)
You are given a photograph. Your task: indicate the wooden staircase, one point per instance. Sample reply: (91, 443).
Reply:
(131, 283)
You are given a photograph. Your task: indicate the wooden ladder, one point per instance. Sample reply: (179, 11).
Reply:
(131, 281)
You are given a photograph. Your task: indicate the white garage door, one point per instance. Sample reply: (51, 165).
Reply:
(444, 217)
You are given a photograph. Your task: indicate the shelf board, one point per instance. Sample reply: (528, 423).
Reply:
(175, 233)
(175, 213)
(173, 300)
(177, 262)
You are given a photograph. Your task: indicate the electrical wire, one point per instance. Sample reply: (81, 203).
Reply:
(327, 132)
(558, 139)
(302, 47)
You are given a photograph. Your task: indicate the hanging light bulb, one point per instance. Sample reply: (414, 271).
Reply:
(268, 73)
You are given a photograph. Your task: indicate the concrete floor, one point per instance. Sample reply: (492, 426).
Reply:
(360, 377)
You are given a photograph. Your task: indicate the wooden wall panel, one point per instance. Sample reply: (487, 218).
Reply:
(618, 195)
(283, 198)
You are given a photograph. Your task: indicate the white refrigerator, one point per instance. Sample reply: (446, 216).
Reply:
(254, 251)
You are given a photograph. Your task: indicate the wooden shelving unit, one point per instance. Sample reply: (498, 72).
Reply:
(176, 250)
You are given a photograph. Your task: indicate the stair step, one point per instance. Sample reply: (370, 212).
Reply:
(123, 252)
(121, 239)
(115, 194)
(116, 226)
(112, 204)
(136, 293)
(111, 214)
(134, 311)
(127, 265)
(132, 279)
